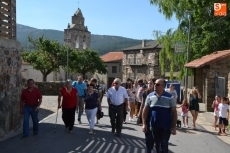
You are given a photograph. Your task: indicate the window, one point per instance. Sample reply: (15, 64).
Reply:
(149, 56)
(77, 42)
(84, 42)
(114, 69)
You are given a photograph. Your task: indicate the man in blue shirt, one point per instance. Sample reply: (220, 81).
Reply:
(81, 88)
(160, 104)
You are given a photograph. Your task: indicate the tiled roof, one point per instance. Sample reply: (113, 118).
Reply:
(149, 45)
(112, 56)
(208, 59)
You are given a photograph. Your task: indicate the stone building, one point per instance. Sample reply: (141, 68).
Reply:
(113, 62)
(10, 63)
(212, 76)
(142, 61)
(77, 35)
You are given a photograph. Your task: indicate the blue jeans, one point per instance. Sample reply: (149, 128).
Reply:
(80, 105)
(149, 141)
(27, 112)
(161, 138)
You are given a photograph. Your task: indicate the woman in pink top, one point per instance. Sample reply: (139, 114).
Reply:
(184, 113)
(215, 104)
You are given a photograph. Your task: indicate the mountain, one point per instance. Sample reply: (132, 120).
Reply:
(101, 43)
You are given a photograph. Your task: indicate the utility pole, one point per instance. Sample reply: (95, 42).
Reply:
(67, 71)
(188, 54)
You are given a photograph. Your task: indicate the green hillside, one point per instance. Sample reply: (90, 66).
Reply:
(100, 43)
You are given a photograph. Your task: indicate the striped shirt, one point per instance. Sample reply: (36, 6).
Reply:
(160, 109)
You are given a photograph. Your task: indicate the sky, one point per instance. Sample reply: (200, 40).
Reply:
(135, 19)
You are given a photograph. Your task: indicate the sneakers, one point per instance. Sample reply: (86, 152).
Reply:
(131, 119)
(91, 132)
(79, 121)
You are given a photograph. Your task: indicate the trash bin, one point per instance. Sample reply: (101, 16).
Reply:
(176, 87)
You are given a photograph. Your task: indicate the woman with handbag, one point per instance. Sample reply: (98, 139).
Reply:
(92, 104)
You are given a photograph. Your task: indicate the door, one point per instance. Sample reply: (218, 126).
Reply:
(220, 86)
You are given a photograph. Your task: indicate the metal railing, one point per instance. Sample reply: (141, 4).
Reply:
(8, 19)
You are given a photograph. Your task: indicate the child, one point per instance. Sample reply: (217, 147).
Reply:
(184, 112)
(223, 116)
(215, 105)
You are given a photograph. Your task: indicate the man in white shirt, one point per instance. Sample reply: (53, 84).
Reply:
(117, 99)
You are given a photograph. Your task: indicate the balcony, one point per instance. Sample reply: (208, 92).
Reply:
(137, 61)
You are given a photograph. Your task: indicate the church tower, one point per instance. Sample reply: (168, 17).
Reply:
(77, 35)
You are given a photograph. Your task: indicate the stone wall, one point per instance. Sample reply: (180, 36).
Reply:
(205, 80)
(10, 85)
(143, 65)
(49, 88)
(220, 69)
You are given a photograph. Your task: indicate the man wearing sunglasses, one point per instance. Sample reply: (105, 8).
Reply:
(117, 98)
(160, 104)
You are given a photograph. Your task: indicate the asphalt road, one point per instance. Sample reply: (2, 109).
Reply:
(131, 140)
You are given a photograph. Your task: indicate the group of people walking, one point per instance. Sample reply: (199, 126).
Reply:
(151, 103)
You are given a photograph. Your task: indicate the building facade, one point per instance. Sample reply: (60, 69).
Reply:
(77, 35)
(113, 62)
(10, 63)
(212, 76)
(141, 61)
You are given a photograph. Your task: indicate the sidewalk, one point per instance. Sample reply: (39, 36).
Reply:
(47, 109)
(205, 120)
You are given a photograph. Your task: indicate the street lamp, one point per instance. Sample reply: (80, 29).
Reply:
(67, 72)
(188, 52)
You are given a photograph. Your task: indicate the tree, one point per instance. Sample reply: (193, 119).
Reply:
(167, 54)
(209, 33)
(86, 61)
(47, 57)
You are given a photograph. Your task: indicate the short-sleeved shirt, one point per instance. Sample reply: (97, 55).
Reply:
(81, 87)
(69, 98)
(140, 93)
(131, 95)
(216, 104)
(160, 107)
(184, 109)
(98, 88)
(31, 98)
(91, 100)
(117, 97)
(223, 110)
(173, 93)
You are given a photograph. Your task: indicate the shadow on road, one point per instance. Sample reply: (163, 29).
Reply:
(43, 113)
(79, 141)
